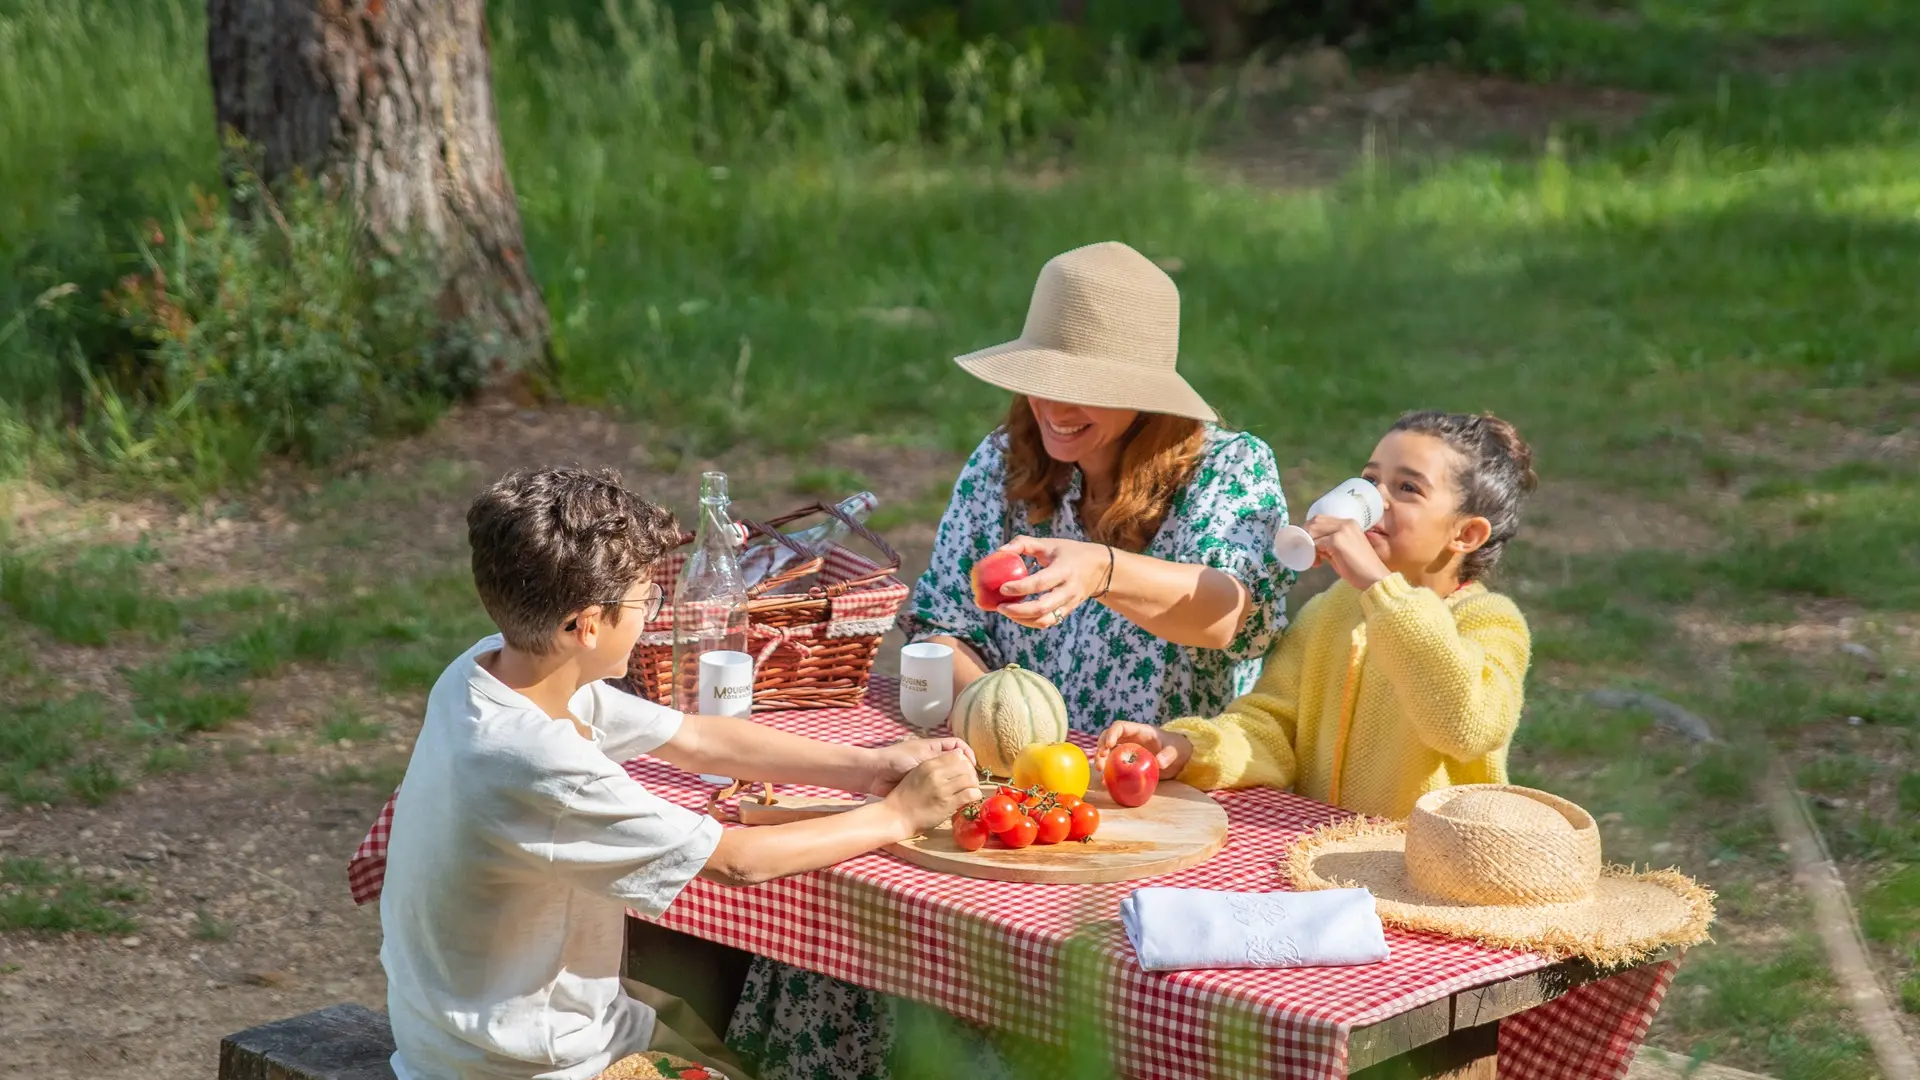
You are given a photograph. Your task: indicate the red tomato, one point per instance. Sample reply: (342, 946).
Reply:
(1000, 813)
(1086, 819)
(1053, 826)
(1020, 833)
(991, 572)
(1131, 774)
(1067, 801)
(1011, 792)
(1033, 799)
(969, 832)
(695, 1073)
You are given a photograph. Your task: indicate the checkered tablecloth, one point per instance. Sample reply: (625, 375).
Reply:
(1007, 954)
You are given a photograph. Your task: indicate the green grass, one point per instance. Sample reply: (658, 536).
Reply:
(1775, 1004)
(89, 597)
(350, 726)
(42, 744)
(35, 895)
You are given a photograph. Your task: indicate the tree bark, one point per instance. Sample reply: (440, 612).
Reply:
(389, 103)
(1224, 23)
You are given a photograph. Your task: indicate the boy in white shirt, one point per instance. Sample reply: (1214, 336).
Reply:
(518, 840)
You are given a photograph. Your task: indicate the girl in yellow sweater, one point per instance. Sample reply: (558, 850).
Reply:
(1405, 676)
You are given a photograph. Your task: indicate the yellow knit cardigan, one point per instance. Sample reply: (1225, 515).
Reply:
(1373, 699)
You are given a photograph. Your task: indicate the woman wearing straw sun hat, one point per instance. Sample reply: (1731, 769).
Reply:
(1158, 592)
(1153, 525)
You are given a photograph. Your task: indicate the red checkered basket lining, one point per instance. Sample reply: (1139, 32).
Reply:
(1006, 954)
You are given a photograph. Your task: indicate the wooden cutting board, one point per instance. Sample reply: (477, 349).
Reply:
(1177, 828)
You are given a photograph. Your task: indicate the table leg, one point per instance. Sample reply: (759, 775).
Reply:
(705, 975)
(1467, 1054)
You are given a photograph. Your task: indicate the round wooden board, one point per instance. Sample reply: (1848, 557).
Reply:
(1177, 828)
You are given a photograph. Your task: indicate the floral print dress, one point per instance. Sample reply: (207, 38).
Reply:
(797, 1025)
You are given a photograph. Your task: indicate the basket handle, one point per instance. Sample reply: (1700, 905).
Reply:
(891, 558)
(808, 563)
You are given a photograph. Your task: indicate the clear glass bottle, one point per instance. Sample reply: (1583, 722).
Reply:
(765, 557)
(710, 599)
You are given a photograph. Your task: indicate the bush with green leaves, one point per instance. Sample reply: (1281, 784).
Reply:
(270, 324)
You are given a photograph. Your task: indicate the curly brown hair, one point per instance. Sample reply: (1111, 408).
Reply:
(549, 542)
(1158, 457)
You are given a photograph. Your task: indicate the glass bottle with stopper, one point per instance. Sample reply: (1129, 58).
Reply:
(710, 599)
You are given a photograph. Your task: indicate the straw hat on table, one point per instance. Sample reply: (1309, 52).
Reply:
(1103, 329)
(1510, 867)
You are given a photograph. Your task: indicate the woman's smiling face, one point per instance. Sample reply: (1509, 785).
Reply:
(1078, 434)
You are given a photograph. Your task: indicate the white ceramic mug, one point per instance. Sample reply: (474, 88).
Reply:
(726, 683)
(926, 684)
(1356, 500)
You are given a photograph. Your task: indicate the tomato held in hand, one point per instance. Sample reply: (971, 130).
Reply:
(1019, 834)
(1052, 826)
(1000, 813)
(969, 831)
(1085, 821)
(1131, 774)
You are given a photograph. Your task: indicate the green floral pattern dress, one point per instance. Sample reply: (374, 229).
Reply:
(797, 1025)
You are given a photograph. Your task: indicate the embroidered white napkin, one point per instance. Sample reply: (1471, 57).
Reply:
(1177, 929)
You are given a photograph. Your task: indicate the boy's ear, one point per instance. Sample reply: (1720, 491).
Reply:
(1471, 534)
(583, 622)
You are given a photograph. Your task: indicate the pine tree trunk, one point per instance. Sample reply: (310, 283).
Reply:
(390, 103)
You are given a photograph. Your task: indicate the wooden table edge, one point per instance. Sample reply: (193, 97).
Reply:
(1468, 1015)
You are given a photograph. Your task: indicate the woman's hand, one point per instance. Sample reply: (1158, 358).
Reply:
(1343, 544)
(1170, 748)
(1071, 572)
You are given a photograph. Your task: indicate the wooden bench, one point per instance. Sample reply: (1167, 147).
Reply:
(339, 1042)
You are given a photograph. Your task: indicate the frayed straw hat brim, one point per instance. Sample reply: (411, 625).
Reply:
(1629, 916)
(1041, 372)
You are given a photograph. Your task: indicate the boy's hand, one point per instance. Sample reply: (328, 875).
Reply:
(934, 791)
(1170, 748)
(1348, 549)
(891, 764)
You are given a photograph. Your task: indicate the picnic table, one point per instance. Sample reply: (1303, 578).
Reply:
(1008, 955)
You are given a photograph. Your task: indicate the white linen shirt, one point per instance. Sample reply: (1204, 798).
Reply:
(517, 845)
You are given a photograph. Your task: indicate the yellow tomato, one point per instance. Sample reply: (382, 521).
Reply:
(1061, 768)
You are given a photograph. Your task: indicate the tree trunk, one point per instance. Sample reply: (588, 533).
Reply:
(1224, 24)
(390, 103)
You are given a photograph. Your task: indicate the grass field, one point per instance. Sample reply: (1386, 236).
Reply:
(1705, 320)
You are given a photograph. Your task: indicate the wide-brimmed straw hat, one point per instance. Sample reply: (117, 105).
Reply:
(1509, 867)
(1103, 329)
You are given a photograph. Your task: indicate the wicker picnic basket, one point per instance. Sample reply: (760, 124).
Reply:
(812, 649)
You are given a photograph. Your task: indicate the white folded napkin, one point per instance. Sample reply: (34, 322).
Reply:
(1177, 929)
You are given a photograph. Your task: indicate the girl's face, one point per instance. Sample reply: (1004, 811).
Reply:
(1422, 529)
(1082, 434)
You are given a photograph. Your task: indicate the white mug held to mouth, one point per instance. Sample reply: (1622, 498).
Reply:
(1355, 500)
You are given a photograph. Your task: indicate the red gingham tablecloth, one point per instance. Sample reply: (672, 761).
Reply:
(1003, 954)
